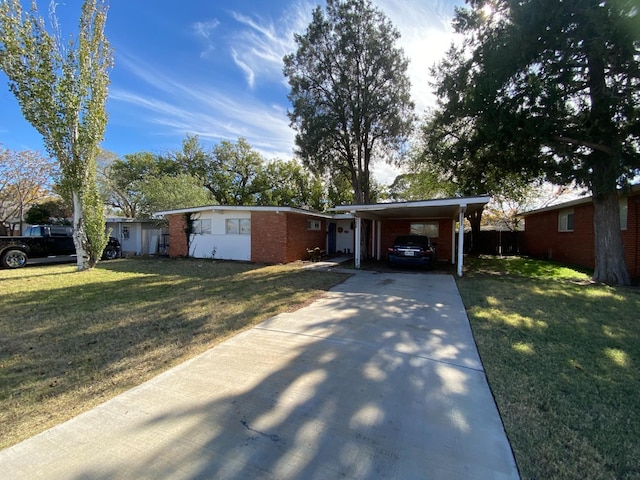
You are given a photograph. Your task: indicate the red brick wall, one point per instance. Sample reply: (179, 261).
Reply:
(631, 236)
(541, 238)
(283, 237)
(392, 228)
(177, 238)
(299, 238)
(268, 237)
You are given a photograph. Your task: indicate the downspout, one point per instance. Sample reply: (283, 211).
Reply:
(461, 239)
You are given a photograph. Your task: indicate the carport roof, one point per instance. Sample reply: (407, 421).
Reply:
(434, 208)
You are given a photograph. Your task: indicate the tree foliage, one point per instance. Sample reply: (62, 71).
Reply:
(25, 179)
(349, 92)
(62, 89)
(288, 183)
(123, 180)
(549, 88)
(236, 174)
(168, 192)
(53, 211)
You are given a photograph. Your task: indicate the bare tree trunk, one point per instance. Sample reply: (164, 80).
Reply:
(610, 266)
(79, 234)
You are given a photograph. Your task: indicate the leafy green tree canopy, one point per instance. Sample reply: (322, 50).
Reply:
(349, 91)
(551, 88)
(62, 90)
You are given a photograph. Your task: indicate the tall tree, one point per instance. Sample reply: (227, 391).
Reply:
(25, 179)
(235, 176)
(167, 192)
(62, 89)
(349, 91)
(552, 88)
(122, 180)
(289, 184)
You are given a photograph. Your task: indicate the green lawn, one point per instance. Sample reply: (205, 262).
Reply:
(69, 340)
(562, 356)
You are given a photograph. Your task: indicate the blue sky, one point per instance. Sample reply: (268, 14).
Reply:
(214, 68)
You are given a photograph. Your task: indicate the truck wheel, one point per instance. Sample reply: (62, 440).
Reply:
(14, 259)
(110, 253)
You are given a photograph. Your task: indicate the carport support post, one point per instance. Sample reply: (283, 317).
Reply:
(461, 238)
(357, 240)
(378, 237)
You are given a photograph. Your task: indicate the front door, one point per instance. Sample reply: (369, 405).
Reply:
(331, 247)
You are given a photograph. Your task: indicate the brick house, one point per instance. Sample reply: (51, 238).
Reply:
(264, 234)
(249, 233)
(565, 233)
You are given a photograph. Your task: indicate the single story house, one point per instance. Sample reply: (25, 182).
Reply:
(266, 234)
(139, 236)
(565, 232)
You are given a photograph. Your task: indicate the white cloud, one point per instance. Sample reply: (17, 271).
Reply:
(260, 44)
(202, 109)
(205, 30)
(426, 34)
(184, 104)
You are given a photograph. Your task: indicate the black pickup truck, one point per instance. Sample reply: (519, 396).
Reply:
(44, 241)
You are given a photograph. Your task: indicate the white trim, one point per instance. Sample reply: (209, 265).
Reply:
(244, 208)
(437, 202)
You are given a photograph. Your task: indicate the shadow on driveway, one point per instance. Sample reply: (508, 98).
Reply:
(378, 379)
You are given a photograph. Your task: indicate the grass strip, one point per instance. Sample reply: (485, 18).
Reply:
(562, 356)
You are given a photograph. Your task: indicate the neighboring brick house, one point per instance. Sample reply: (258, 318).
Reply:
(565, 233)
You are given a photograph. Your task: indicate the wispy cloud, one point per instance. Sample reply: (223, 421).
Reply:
(201, 109)
(204, 30)
(183, 104)
(259, 44)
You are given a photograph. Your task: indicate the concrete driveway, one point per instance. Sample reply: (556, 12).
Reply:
(378, 379)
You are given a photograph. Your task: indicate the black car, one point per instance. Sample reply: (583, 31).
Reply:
(412, 250)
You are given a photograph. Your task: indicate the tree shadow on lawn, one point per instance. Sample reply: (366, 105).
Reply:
(92, 340)
(562, 359)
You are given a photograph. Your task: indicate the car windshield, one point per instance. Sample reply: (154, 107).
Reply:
(409, 240)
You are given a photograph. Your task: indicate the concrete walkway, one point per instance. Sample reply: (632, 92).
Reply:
(378, 379)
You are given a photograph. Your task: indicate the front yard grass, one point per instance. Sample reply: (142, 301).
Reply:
(69, 341)
(562, 356)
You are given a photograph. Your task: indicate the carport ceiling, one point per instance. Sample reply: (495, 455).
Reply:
(437, 208)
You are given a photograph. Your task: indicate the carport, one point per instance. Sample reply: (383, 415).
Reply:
(454, 209)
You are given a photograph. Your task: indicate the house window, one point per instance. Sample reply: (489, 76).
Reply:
(201, 227)
(238, 226)
(624, 208)
(565, 220)
(430, 229)
(125, 232)
(313, 224)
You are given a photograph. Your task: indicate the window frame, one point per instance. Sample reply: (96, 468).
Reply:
(314, 225)
(623, 205)
(201, 227)
(425, 228)
(566, 220)
(237, 226)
